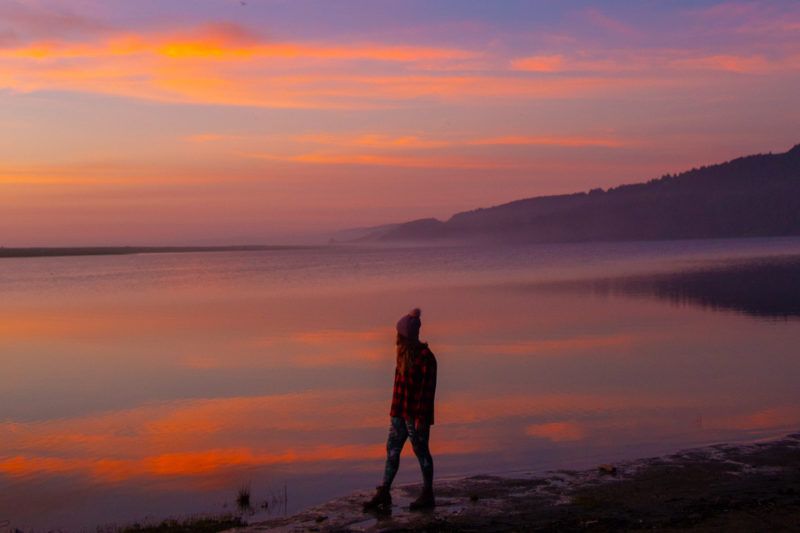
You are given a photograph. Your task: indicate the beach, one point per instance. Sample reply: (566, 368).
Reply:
(743, 487)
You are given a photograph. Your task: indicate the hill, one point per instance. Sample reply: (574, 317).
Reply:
(757, 195)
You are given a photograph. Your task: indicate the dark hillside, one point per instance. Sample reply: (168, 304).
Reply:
(757, 195)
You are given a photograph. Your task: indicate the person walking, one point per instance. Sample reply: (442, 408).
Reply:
(411, 413)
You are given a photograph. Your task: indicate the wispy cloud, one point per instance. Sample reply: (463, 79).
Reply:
(610, 24)
(385, 141)
(209, 76)
(228, 64)
(555, 140)
(22, 22)
(540, 63)
(404, 161)
(406, 151)
(661, 63)
(731, 63)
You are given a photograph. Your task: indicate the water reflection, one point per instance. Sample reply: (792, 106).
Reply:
(118, 405)
(765, 287)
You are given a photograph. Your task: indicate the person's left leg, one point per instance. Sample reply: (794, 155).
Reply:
(420, 437)
(398, 433)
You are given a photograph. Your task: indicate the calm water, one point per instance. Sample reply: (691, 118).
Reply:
(148, 386)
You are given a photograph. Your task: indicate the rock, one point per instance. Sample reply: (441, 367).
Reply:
(607, 470)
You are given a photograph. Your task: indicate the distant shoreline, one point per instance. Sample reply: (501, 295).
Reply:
(130, 250)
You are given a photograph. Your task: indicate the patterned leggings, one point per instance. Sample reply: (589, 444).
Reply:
(399, 431)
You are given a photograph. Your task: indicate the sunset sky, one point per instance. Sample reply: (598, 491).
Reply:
(220, 121)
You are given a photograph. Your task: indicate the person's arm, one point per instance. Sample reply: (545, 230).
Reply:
(427, 391)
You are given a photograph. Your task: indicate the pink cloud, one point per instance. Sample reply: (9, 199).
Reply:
(729, 63)
(540, 63)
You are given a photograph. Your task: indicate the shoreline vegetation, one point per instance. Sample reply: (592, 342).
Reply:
(130, 250)
(723, 487)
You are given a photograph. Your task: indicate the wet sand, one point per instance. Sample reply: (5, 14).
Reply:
(753, 487)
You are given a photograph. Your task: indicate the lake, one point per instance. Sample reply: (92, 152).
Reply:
(149, 386)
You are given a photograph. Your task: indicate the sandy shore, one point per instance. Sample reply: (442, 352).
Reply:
(754, 487)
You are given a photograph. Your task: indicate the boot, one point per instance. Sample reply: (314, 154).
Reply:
(425, 500)
(382, 500)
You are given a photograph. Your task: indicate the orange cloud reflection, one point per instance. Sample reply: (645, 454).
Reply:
(557, 431)
(204, 438)
(560, 346)
(201, 439)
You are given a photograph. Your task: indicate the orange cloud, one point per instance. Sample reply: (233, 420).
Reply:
(205, 65)
(372, 140)
(407, 142)
(543, 140)
(728, 63)
(546, 63)
(228, 66)
(609, 63)
(227, 42)
(660, 63)
(207, 137)
(402, 151)
(405, 161)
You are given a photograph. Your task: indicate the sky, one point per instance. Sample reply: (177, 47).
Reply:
(272, 121)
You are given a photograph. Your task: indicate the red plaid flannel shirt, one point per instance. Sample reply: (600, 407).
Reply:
(414, 389)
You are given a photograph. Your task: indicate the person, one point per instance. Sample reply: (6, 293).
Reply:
(411, 413)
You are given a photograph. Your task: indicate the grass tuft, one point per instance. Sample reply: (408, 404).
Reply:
(189, 525)
(243, 498)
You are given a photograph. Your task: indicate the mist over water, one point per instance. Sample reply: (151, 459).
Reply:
(149, 386)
